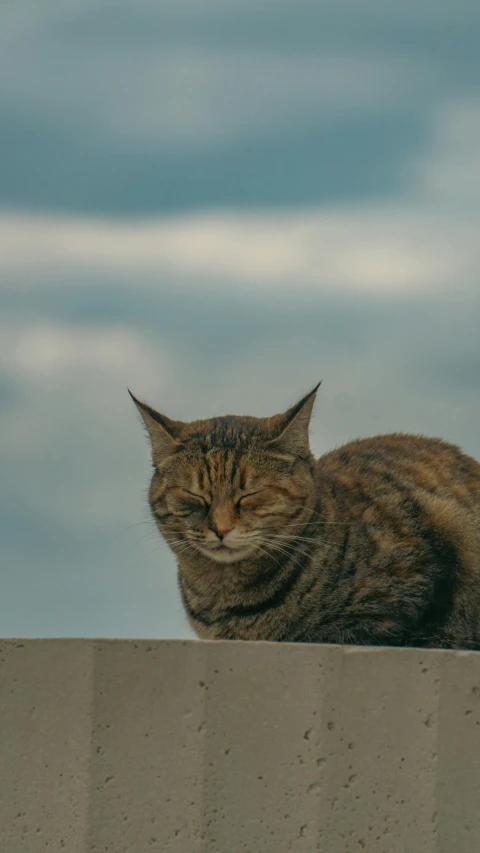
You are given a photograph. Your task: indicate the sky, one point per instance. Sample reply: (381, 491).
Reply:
(218, 204)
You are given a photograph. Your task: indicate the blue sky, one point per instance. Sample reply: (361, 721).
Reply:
(217, 205)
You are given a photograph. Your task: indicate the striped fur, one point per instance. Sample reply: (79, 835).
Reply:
(375, 543)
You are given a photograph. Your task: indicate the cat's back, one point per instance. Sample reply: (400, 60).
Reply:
(410, 509)
(402, 463)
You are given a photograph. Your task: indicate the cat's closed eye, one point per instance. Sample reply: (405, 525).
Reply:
(185, 503)
(185, 508)
(196, 496)
(263, 502)
(243, 500)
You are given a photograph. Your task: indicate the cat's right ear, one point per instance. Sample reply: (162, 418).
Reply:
(164, 433)
(292, 426)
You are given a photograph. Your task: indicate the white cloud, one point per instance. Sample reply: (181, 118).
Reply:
(423, 242)
(382, 250)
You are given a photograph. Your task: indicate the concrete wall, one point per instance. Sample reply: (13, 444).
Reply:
(237, 748)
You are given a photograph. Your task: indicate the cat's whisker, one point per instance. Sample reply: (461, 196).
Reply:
(323, 544)
(178, 542)
(280, 549)
(129, 549)
(129, 526)
(163, 542)
(144, 539)
(276, 548)
(269, 555)
(149, 554)
(294, 536)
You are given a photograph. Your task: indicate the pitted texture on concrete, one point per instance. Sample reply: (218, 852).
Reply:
(137, 747)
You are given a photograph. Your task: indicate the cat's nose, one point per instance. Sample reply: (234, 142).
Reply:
(222, 530)
(222, 521)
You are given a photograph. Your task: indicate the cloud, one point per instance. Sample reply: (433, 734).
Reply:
(383, 250)
(194, 98)
(422, 242)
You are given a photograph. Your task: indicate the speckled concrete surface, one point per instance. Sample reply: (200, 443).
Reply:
(132, 747)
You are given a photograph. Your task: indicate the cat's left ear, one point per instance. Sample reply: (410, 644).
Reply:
(292, 427)
(164, 433)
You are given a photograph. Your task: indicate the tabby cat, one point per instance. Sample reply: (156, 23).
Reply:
(375, 543)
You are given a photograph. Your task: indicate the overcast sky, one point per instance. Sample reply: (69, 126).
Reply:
(218, 205)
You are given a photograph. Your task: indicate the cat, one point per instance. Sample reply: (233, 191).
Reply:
(375, 543)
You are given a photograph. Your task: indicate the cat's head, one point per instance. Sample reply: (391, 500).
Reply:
(231, 487)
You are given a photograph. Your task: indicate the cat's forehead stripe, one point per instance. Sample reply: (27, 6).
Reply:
(200, 480)
(218, 470)
(217, 462)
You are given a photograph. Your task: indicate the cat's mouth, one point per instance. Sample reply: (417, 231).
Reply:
(226, 553)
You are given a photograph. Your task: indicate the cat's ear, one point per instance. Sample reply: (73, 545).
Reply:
(292, 427)
(164, 433)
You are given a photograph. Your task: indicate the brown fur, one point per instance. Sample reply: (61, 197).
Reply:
(377, 542)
